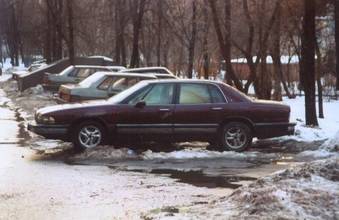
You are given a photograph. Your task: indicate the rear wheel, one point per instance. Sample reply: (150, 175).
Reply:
(88, 135)
(236, 136)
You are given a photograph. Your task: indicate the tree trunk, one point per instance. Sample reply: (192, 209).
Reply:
(15, 36)
(206, 61)
(70, 31)
(336, 14)
(47, 51)
(159, 34)
(320, 87)
(137, 24)
(1, 55)
(308, 62)
(191, 47)
(117, 22)
(223, 47)
(227, 10)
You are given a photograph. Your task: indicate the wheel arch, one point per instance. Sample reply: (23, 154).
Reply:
(78, 121)
(244, 120)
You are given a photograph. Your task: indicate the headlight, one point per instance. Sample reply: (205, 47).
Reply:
(41, 119)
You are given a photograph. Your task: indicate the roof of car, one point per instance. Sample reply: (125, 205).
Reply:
(184, 81)
(151, 76)
(121, 67)
(102, 57)
(147, 68)
(91, 66)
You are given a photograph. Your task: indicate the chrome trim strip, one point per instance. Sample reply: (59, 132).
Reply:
(143, 125)
(275, 124)
(166, 125)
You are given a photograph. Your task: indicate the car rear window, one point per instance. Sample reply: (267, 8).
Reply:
(216, 94)
(234, 95)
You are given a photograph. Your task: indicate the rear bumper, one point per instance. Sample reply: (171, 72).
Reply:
(269, 130)
(50, 131)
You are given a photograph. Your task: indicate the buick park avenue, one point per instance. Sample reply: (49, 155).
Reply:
(167, 111)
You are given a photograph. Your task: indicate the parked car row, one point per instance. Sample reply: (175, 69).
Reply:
(82, 82)
(100, 85)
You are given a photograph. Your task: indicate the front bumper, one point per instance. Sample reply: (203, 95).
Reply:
(50, 131)
(269, 130)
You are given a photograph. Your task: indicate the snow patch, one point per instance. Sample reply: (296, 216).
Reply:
(106, 153)
(202, 153)
(307, 191)
(328, 126)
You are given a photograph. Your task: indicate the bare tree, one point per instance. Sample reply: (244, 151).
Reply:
(138, 13)
(336, 14)
(70, 42)
(224, 45)
(192, 41)
(308, 61)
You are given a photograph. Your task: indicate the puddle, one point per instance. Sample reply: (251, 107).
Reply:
(199, 179)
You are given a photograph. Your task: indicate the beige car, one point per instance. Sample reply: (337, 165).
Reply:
(100, 85)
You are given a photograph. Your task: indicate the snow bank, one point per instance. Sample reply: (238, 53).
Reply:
(105, 153)
(329, 149)
(307, 191)
(328, 126)
(192, 153)
(29, 100)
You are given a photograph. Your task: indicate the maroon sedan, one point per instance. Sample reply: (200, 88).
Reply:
(167, 111)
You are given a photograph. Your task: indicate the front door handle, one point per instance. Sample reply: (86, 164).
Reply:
(164, 110)
(216, 108)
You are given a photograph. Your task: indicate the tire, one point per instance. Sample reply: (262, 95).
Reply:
(89, 131)
(236, 136)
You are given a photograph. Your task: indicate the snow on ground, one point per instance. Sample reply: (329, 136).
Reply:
(192, 153)
(327, 126)
(307, 191)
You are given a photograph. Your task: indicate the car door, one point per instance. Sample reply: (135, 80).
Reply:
(199, 108)
(102, 90)
(148, 112)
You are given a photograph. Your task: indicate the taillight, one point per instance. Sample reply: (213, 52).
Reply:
(65, 96)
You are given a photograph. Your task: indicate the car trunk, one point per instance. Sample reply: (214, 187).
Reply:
(65, 92)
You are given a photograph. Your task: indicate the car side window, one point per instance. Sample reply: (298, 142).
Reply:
(159, 94)
(194, 94)
(106, 84)
(216, 94)
(73, 72)
(83, 73)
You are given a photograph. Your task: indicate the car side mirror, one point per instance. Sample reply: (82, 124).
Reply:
(140, 104)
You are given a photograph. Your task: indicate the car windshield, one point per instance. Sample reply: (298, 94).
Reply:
(126, 93)
(67, 70)
(91, 79)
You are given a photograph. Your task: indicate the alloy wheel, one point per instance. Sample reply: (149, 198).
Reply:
(235, 138)
(90, 136)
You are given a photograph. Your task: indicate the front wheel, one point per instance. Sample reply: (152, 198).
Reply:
(236, 136)
(88, 135)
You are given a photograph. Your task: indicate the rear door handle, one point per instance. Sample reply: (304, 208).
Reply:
(216, 108)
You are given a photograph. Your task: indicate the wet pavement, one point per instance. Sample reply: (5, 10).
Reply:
(212, 171)
(47, 179)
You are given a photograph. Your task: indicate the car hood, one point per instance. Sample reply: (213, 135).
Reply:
(63, 107)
